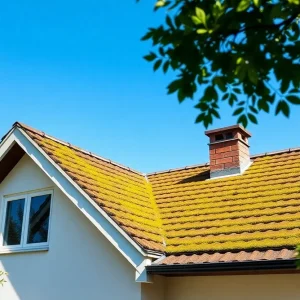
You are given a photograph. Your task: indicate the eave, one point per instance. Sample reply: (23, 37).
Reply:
(230, 268)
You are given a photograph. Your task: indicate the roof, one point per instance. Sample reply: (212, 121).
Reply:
(185, 214)
(227, 257)
(125, 195)
(259, 209)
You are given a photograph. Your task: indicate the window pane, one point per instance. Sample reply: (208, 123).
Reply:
(14, 222)
(39, 219)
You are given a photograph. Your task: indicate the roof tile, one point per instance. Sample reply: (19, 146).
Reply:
(227, 257)
(182, 211)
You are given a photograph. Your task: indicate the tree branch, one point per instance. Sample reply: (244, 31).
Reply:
(265, 26)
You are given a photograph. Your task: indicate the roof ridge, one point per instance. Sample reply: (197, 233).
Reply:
(43, 134)
(26, 127)
(288, 150)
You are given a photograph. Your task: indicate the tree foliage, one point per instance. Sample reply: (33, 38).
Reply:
(244, 52)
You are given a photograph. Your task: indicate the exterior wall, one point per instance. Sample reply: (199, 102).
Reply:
(246, 287)
(80, 263)
(154, 290)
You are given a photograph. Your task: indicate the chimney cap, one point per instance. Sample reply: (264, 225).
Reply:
(219, 130)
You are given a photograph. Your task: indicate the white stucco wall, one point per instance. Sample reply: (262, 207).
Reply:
(242, 287)
(80, 264)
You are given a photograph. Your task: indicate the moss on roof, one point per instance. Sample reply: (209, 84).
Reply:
(185, 211)
(259, 209)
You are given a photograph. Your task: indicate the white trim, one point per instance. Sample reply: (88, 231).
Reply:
(122, 242)
(22, 250)
(141, 273)
(27, 196)
(3, 219)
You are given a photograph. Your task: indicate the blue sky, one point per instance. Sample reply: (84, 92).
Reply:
(74, 69)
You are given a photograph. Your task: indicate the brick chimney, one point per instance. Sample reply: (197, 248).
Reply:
(228, 151)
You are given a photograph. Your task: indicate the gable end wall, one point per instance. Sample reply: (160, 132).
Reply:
(80, 263)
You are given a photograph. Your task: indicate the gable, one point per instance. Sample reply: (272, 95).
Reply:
(25, 177)
(113, 233)
(10, 159)
(74, 244)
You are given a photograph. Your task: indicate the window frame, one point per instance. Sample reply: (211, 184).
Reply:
(25, 226)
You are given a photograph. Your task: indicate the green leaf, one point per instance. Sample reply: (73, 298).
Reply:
(253, 109)
(243, 120)
(263, 105)
(241, 72)
(252, 118)
(180, 95)
(157, 64)
(166, 66)
(202, 105)
(200, 13)
(174, 86)
(232, 99)
(276, 11)
(225, 96)
(200, 118)
(243, 5)
(220, 83)
(161, 51)
(147, 36)
(196, 20)
(256, 3)
(253, 76)
(236, 90)
(294, 91)
(150, 57)
(201, 31)
(210, 93)
(296, 2)
(293, 99)
(284, 85)
(239, 60)
(169, 22)
(238, 111)
(282, 107)
(160, 3)
(215, 113)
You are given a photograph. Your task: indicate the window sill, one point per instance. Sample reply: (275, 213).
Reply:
(23, 250)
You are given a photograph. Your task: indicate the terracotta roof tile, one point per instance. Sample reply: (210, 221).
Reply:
(248, 217)
(227, 257)
(124, 195)
(257, 210)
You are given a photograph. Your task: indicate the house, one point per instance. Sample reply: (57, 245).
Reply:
(77, 226)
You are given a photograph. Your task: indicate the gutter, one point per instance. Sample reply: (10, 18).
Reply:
(218, 268)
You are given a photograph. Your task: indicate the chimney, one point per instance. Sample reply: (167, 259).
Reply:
(228, 151)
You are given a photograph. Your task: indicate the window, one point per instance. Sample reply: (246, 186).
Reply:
(26, 221)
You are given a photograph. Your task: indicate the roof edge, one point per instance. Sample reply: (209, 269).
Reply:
(43, 134)
(223, 267)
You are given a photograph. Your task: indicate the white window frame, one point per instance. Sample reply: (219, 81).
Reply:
(23, 246)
